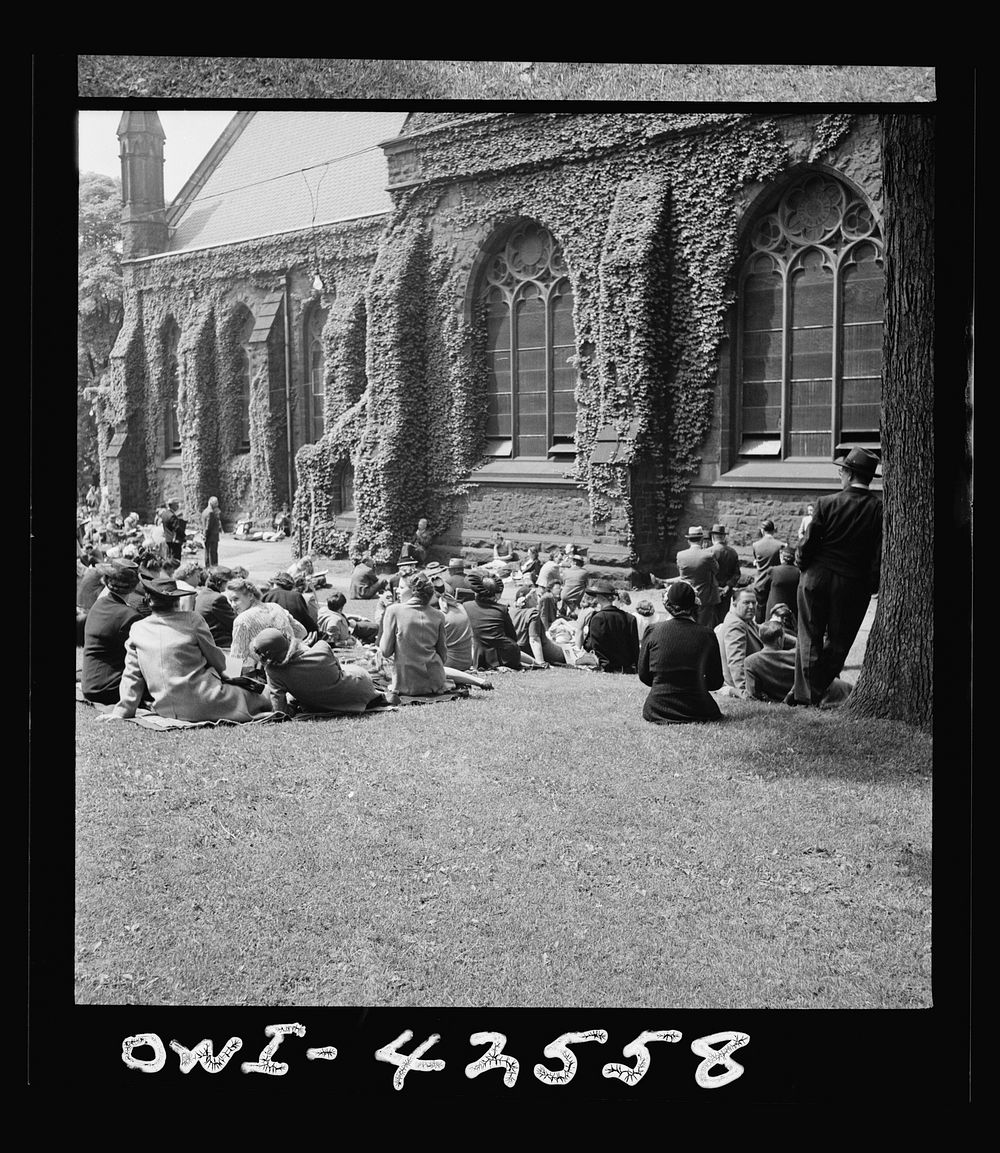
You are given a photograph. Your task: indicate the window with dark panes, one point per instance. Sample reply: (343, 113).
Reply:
(172, 427)
(529, 342)
(315, 364)
(244, 323)
(811, 306)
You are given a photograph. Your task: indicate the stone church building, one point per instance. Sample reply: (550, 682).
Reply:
(591, 326)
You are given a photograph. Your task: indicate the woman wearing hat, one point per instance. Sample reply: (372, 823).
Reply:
(105, 632)
(681, 662)
(170, 657)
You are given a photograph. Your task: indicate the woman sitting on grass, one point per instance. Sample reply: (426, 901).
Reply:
(531, 637)
(106, 632)
(413, 635)
(252, 616)
(494, 639)
(171, 658)
(681, 662)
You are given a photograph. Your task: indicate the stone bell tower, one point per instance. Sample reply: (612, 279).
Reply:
(144, 225)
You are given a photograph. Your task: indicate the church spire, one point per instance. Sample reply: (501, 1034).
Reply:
(144, 225)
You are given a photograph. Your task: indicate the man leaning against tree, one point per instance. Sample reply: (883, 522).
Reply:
(840, 558)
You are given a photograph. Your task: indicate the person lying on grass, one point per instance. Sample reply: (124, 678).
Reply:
(171, 659)
(313, 677)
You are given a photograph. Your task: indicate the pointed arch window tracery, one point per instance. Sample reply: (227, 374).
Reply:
(528, 302)
(810, 324)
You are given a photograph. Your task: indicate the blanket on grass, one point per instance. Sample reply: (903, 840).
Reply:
(147, 719)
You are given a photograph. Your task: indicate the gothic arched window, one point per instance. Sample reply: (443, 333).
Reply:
(315, 366)
(811, 309)
(172, 428)
(529, 340)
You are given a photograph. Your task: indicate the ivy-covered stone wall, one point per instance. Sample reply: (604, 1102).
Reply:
(209, 294)
(647, 209)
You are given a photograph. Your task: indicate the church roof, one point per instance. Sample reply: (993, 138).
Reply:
(281, 171)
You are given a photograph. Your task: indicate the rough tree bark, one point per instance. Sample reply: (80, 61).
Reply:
(896, 677)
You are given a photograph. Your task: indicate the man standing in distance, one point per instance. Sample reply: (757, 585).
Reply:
(728, 576)
(840, 559)
(765, 554)
(698, 567)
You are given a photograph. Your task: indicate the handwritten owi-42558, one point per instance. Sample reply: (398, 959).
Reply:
(715, 1051)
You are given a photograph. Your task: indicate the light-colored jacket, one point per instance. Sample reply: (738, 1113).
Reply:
(172, 658)
(737, 640)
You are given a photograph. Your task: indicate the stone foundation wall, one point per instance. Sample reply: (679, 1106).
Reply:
(742, 510)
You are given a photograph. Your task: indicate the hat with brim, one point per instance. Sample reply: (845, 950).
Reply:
(695, 532)
(435, 569)
(861, 461)
(272, 644)
(405, 561)
(601, 587)
(163, 587)
(120, 575)
(680, 596)
(457, 563)
(718, 530)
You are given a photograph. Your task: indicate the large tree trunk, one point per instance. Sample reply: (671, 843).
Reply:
(896, 677)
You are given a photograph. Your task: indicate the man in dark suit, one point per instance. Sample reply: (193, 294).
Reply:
(211, 603)
(611, 634)
(728, 576)
(699, 568)
(765, 554)
(840, 559)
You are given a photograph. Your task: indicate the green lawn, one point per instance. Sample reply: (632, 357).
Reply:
(319, 77)
(539, 845)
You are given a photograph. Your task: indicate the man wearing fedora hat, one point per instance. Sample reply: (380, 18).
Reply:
(728, 576)
(457, 581)
(610, 633)
(699, 568)
(840, 559)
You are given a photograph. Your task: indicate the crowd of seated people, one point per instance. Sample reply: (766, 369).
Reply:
(156, 630)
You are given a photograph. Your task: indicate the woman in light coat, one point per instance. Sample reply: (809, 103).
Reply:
(170, 657)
